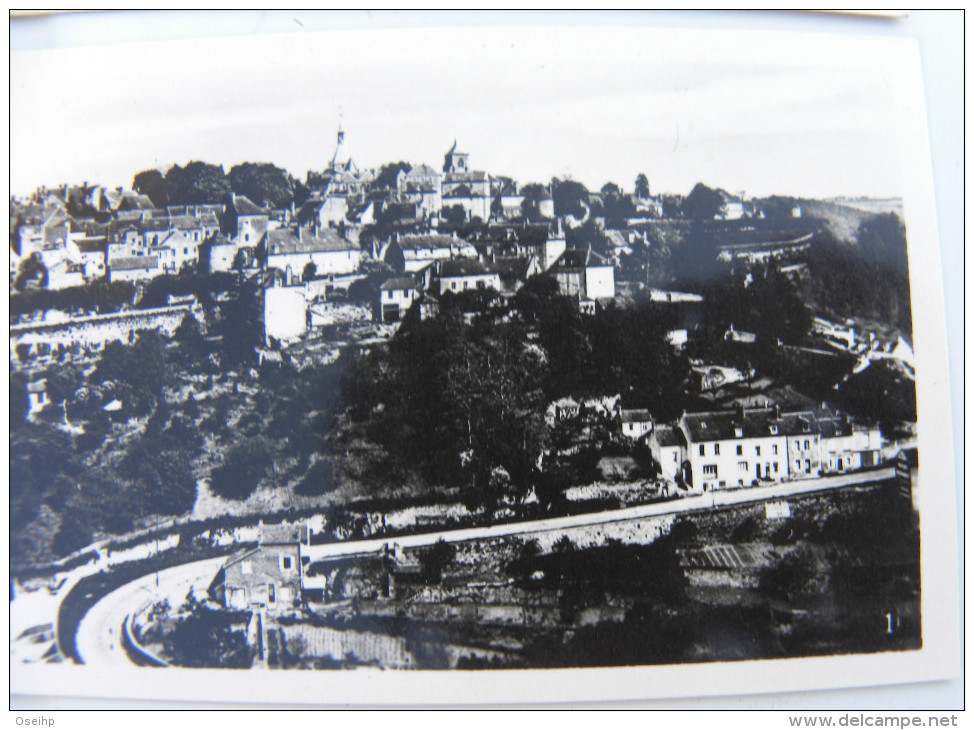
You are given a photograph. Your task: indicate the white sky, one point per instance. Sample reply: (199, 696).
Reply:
(814, 115)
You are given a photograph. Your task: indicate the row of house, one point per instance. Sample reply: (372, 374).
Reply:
(737, 448)
(441, 265)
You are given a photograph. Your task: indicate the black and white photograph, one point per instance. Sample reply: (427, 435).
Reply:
(411, 357)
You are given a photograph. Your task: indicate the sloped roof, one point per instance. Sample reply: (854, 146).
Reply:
(669, 436)
(280, 534)
(245, 206)
(576, 258)
(91, 246)
(133, 263)
(636, 416)
(513, 268)
(398, 282)
(430, 242)
(464, 267)
(461, 191)
(723, 425)
(286, 241)
(423, 170)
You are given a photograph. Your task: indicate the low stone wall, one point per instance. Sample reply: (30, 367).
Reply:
(97, 330)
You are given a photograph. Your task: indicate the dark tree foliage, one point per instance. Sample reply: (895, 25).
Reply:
(31, 273)
(436, 559)
(319, 480)
(197, 183)
(263, 183)
(386, 179)
(139, 371)
(159, 467)
(464, 404)
(589, 236)
(702, 203)
(791, 575)
(618, 207)
(454, 215)
(777, 207)
(99, 296)
(642, 186)
(239, 327)
(157, 291)
(153, 184)
(72, 535)
(533, 194)
(846, 281)
(243, 468)
(39, 455)
(762, 300)
(570, 197)
(882, 239)
(207, 639)
(879, 393)
(366, 290)
(652, 571)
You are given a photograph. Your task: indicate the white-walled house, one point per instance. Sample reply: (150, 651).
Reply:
(457, 275)
(396, 296)
(292, 251)
(734, 448)
(134, 268)
(669, 447)
(635, 423)
(585, 275)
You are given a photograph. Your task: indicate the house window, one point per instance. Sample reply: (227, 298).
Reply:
(674, 457)
(285, 562)
(774, 448)
(757, 450)
(806, 443)
(271, 595)
(716, 449)
(740, 450)
(710, 470)
(742, 466)
(775, 467)
(701, 449)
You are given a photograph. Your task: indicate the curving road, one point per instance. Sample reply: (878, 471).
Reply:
(98, 635)
(98, 638)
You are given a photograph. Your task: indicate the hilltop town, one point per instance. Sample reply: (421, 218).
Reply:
(247, 361)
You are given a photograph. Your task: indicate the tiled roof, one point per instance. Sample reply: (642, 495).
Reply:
(463, 267)
(636, 416)
(91, 246)
(133, 263)
(758, 422)
(430, 242)
(398, 282)
(669, 436)
(245, 206)
(576, 258)
(422, 171)
(286, 241)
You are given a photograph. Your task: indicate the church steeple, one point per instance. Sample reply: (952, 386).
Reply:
(339, 147)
